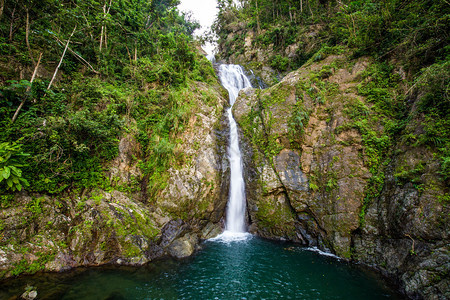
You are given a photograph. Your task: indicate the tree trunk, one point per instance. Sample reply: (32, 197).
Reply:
(103, 30)
(290, 11)
(27, 35)
(28, 89)
(310, 9)
(273, 10)
(12, 24)
(101, 40)
(129, 54)
(258, 27)
(2, 6)
(61, 60)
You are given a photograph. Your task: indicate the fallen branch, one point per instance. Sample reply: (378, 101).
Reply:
(28, 89)
(61, 60)
(78, 56)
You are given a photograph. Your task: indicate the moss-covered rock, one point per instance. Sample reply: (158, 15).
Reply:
(120, 223)
(323, 172)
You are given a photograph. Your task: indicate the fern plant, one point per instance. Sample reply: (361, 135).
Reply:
(12, 159)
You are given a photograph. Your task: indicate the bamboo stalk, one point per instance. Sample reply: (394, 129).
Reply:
(28, 89)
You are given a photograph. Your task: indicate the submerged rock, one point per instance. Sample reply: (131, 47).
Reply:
(29, 294)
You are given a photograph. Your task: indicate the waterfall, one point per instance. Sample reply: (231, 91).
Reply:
(233, 79)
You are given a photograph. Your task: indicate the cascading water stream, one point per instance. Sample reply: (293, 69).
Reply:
(233, 79)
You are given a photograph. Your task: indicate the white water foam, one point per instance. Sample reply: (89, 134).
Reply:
(317, 250)
(229, 236)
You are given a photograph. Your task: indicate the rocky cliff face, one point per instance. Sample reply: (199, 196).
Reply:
(267, 60)
(120, 224)
(320, 172)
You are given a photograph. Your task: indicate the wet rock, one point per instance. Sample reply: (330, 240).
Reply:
(171, 231)
(184, 246)
(210, 231)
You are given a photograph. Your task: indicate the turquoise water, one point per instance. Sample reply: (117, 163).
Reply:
(251, 269)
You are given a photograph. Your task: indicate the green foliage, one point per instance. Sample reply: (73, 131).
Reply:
(12, 160)
(314, 187)
(259, 124)
(140, 70)
(298, 121)
(35, 206)
(279, 63)
(434, 114)
(410, 175)
(23, 266)
(379, 89)
(416, 32)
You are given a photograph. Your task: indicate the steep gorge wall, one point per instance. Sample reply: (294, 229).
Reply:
(120, 224)
(322, 171)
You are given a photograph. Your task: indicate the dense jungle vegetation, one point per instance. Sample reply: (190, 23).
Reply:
(106, 69)
(407, 85)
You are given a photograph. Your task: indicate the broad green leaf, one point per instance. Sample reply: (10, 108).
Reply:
(6, 172)
(9, 182)
(24, 181)
(16, 171)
